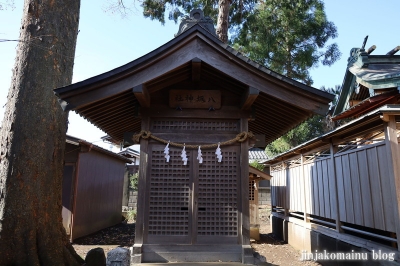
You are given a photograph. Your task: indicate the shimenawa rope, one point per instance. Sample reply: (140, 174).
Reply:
(241, 137)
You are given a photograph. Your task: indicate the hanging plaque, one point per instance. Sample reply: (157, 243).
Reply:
(195, 99)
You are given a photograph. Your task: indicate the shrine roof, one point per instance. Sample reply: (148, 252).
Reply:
(368, 74)
(107, 100)
(257, 154)
(363, 125)
(260, 174)
(80, 142)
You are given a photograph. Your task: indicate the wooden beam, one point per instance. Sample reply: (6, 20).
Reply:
(196, 69)
(305, 189)
(244, 190)
(227, 112)
(144, 167)
(392, 149)
(142, 95)
(173, 57)
(249, 97)
(332, 172)
(394, 50)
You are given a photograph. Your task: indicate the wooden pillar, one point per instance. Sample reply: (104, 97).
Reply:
(287, 189)
(333, 150)
(141, 200)
(303, 178)
(244, 186)
(247, 252)
(392, 148)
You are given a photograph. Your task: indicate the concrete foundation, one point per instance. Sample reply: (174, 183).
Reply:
(328, 250)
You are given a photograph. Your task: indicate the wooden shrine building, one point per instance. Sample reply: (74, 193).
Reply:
(193, 91)
(340, 192)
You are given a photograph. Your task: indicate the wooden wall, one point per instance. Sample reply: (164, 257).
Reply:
(98, 199)
(363, 180)
(360, 177)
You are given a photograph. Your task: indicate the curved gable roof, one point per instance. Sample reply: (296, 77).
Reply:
(107, 99)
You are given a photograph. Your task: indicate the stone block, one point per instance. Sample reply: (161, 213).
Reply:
(247, 255)
(136, 249)
(95, 257)
(119, 256)
(136, 259)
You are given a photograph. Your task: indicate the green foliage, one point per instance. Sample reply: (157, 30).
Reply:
(335, 91)
(257, 165)
(131, 215)
(155, 10)
(289, 37)
(133, 181)
(307, 130)
(311, 128)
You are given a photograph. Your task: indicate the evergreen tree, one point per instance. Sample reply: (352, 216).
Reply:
(311, 128)
(32, 138)
(307, 130)
(228, 15)
(289, 37)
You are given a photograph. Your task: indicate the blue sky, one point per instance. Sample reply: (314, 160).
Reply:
(106, 41)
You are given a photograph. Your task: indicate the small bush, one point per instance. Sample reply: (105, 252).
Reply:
(131, 215)
(133, 181)
(257, 165)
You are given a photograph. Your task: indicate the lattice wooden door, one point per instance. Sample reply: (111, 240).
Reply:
(196, 203)
(218, 184)
(169, 198)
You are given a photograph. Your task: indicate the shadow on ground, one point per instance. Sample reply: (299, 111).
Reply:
(265, 241)
(122, 234)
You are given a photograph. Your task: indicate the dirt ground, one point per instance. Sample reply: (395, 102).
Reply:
(267, 251)
(272, 251)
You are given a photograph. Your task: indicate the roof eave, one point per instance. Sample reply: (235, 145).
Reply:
(387, 109)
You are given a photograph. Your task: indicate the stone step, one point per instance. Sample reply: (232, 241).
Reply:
(191, 264)
(191, 257)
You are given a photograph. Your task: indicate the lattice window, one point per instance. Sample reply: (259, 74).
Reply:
(277, 167)
(204, 125)
(373, 138)
(252, 189)
(217, 200)
(169, 195)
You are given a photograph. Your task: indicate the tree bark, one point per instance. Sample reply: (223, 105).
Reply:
(223, 18)
(32, 140)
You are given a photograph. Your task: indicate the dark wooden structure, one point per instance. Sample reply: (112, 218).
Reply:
(193, 90)
(92, 188)
(255, 176)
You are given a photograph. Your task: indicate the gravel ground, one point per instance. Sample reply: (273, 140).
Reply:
(120, 235)
(268, 250)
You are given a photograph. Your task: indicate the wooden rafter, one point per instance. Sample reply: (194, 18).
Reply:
(142, 95)
(196, 69)
(249, 97)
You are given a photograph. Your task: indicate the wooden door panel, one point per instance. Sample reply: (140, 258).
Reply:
(217, 201)
(169, 197)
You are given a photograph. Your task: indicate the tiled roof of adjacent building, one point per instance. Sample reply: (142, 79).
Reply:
(257, 154)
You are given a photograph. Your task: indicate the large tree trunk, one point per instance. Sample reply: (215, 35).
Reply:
(33, 138)
(223, 17)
